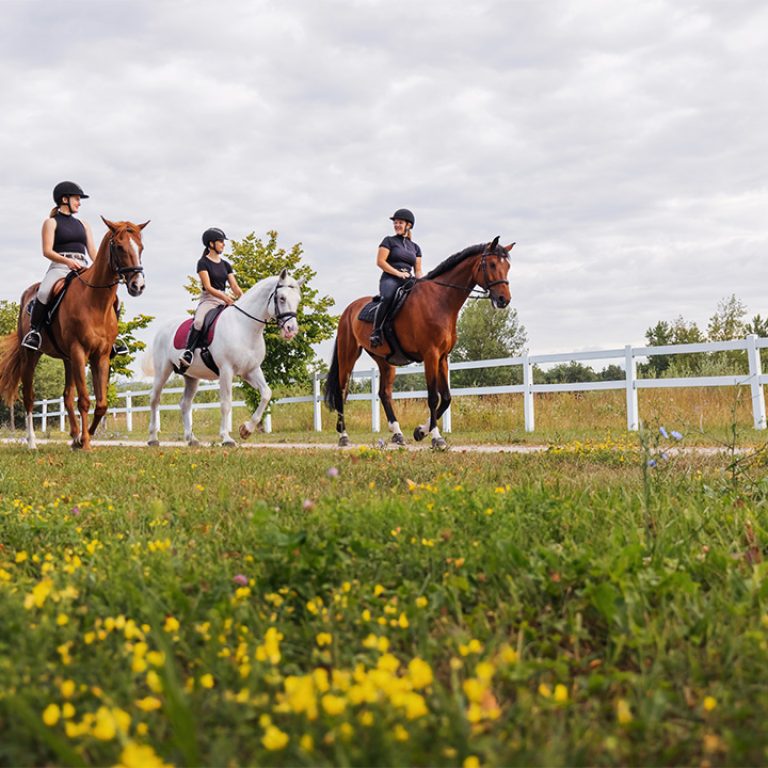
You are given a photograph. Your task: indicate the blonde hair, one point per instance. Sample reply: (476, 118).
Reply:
(408, 228)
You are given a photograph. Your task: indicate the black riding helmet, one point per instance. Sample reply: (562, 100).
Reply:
(65, 189)
(405, 215)
(212, 235)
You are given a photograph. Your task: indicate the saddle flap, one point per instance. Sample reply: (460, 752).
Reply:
(209, 327)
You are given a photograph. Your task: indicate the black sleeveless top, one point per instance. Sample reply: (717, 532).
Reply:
(402, 252)
(70, 235)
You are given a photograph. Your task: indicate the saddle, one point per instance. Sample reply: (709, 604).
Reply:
(204, 339)
(368, 314)
(59, 289)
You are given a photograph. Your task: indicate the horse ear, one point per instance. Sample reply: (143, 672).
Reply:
(141, 226)
(284, 274)
(494, 243)
(509, 247)
(110, 225)
(302, 281)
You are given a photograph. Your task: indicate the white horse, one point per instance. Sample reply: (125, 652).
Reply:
(238, 349)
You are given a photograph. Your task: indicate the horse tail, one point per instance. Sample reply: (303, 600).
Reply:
(147, 364)
(11, 361)
(334, 396)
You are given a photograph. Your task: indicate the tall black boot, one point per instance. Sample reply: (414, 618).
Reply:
(34, 339)
(188, 355)
(378, 323)
(119, 347)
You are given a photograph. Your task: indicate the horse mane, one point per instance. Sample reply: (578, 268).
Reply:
(452, 261)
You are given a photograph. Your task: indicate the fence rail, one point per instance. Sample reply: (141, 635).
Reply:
(631, 384)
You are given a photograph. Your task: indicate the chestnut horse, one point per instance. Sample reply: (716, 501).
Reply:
(83, 331)
(426, 329)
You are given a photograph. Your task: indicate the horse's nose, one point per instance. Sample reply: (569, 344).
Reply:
(501, 302)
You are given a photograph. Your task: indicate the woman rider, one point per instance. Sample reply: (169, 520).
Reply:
(399, 258)
(66, 241)
(215, 274)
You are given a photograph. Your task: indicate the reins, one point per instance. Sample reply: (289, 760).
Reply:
(486, 289)
(281, 318)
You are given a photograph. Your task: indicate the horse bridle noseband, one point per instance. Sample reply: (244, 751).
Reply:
(486, 277)
(121, 272)
(281, 318)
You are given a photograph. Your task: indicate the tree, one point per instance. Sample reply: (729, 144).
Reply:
(728, 321)
(291, 363)
(487, 333)
(677, 332)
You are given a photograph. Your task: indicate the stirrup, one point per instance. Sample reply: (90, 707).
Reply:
(119, 347)
(33, 340)
(186, 359)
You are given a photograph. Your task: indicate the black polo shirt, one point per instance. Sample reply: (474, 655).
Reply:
(402, 252)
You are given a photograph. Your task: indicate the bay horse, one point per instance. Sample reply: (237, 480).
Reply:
(237, 348)
(426, 329)
(83, 330)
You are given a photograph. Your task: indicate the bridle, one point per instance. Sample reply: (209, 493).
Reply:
(488, 283)
(281, 318)
(121, 272)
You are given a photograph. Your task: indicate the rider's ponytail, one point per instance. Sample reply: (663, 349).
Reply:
(52, 214)
(408, 228)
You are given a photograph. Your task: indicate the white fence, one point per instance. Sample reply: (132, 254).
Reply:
(628, 357)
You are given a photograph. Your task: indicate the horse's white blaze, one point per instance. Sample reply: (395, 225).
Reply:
(238, 349)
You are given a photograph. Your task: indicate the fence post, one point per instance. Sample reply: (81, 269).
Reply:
(530, 422)
(375, 413)
(61, 414)
(267, 422)
(447, 414)
(128, 412)
(755, 371)
(630, 364)
(45, 415)
(317, 410)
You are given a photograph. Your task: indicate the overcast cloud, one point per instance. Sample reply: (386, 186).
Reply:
(622, 145)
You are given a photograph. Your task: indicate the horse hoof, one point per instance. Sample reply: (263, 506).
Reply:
(418, 435)
(245, 433)
(228, 444)
(343, 441)
(439, 444)
(398, 438)
(153, 443)
(193, 443)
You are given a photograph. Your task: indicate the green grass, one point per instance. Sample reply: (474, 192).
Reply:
(239, 607)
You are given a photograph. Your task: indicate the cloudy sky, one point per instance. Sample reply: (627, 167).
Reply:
(623, 146)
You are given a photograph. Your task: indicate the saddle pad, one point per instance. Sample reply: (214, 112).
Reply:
(182, 333)
(368, 312)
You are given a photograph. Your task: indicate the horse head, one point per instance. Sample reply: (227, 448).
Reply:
(491, 272)
(283, 304)
(125, 248)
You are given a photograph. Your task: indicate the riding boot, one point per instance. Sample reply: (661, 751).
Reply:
(188, 355)
(378, 323)
(119, 347)
(34, 338)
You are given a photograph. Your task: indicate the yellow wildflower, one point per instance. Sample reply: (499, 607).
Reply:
(333, 705)
(323, 638)
(51, 714)
(710, 702)
(274, 739)
(207, 680)
(623, 712)
(67, 688)
(140, 756)
(561, 693)
(149, 703)
(420, 673)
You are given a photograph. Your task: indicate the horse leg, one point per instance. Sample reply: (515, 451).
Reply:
(69, 400)
(386, 380)
(226, 377)
(190, 387)
(77, 359)
(431, 373)
(100, 378)
(161, 376)
(28, 395)
(345, 356)
(255, 378)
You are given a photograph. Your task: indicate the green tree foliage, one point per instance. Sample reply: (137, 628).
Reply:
(487, 333)
(286, 363)
(126, 328)
(664, 333)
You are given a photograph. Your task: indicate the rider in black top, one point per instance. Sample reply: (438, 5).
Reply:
(399, 258)
(67, 242)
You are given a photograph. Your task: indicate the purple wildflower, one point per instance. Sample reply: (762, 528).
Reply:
(307, 505)
(664, 433)
(240, 579)
(651, 462)
(75, 511)
(332, 472)
(677, 435)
